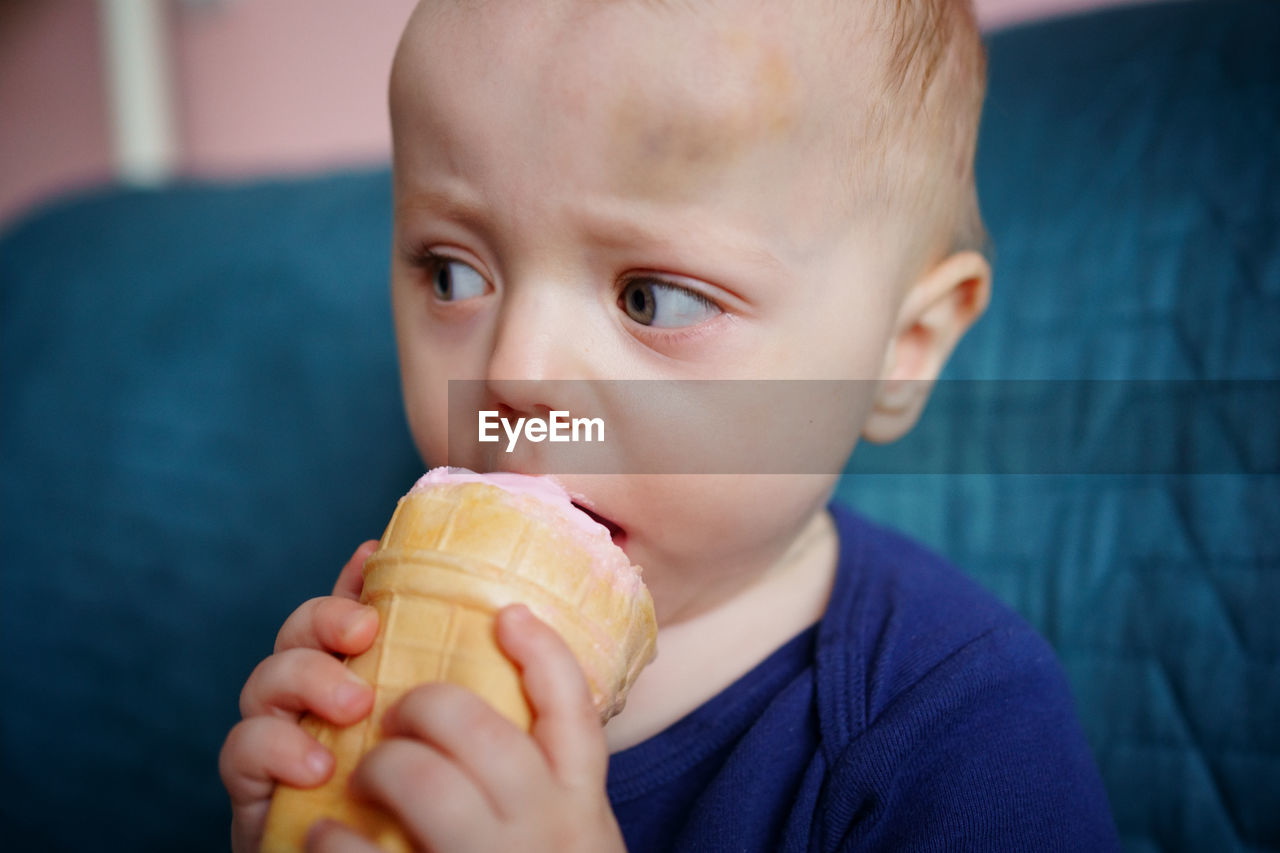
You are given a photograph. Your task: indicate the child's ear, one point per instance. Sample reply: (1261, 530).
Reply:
(938, 309)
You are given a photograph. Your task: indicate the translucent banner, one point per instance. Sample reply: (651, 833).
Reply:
(812, 426)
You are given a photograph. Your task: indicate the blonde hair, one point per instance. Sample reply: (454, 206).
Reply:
(920, 136)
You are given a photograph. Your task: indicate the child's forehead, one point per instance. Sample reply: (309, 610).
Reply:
(671, 99)
(678, 127)
(720, 77)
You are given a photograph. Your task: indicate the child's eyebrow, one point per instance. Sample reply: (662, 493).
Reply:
(608, 224)
(455, 203)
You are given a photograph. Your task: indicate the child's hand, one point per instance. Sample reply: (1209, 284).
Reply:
(302, 675)
(461, 777)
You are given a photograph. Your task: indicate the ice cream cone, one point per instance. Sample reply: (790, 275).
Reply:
(454, 553)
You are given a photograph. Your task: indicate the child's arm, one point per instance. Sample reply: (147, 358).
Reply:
(461, 777)
(301, 675)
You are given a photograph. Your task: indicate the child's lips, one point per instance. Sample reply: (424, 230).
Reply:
(616, 533)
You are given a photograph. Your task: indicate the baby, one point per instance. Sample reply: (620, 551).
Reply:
(639, 189)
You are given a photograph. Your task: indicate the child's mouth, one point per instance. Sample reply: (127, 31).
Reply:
(616, 533)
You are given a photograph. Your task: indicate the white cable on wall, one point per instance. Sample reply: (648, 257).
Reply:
(139, 87)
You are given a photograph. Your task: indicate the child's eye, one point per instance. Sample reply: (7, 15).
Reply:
(664, 306)
(453, 281)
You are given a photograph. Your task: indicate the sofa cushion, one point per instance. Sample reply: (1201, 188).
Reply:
(201, 421)
(1129, 170)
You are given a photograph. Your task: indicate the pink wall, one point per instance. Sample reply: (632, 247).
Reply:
(285, 84)
(263, 86)
(53, 118)
(1002, 13)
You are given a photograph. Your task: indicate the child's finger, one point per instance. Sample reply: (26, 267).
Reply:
(329, 623)
(351, 578)
(502, 760)
(565, 720)
(263, 750)
(329, 836)
(298, 680)
(437, 802)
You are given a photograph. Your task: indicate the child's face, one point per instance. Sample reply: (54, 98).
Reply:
(615, 191)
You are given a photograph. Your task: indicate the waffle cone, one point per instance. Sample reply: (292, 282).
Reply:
(451, 557)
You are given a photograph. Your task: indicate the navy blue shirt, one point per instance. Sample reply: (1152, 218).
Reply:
(918, 714)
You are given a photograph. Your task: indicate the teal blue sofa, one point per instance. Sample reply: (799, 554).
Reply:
(199, 419)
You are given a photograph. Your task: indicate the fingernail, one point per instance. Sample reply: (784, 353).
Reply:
(318, 761)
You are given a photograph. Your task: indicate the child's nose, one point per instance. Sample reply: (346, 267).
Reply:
(537, 345)
(522, 350)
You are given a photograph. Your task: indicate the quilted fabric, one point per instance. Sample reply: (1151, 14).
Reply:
(1129, 169)
(201, 421)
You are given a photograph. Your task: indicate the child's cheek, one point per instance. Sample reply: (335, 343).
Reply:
(736, 427)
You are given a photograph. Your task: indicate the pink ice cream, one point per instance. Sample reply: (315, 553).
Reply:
(546, 496)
